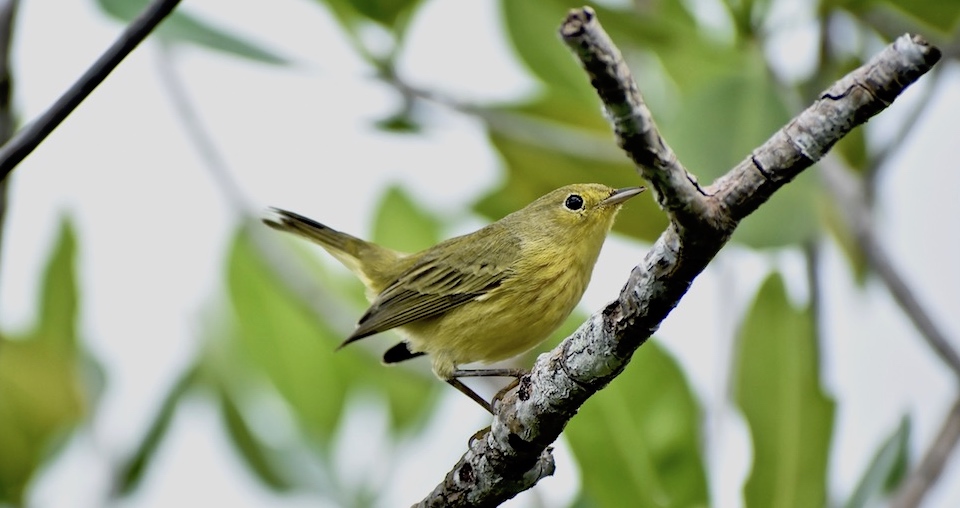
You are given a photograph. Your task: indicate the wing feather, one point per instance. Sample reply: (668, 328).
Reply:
(445, 277)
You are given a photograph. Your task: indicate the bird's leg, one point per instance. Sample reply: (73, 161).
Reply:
(514, 373)
(464, 389)
(503, 391)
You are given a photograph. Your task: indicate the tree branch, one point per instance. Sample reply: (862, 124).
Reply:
(29, 137)
(849, 195)
(514, 453)
(8, 13)
(915, 487)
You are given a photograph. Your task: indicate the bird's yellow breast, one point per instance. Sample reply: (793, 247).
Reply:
(514, 317)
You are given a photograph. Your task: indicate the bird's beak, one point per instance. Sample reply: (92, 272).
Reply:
(621, 195)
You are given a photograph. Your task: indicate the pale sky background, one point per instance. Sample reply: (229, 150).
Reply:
(154, 227)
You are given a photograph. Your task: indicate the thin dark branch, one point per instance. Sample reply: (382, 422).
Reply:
(848, 194)
(925, 475)
(29, 137)
(8, 13)
(514, 453)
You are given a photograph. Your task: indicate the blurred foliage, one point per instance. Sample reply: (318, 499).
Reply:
(715, 96)
(45, 388)
(297, 351)
(777, 386)
(131, 471)
(180, 27)
(640, 438)
(886, 470)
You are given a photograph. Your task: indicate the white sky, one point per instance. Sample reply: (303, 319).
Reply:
(153, 229)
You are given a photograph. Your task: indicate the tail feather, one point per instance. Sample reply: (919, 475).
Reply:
(369, 261)
(284, 220)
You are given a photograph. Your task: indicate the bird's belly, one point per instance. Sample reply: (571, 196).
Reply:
(508, 322)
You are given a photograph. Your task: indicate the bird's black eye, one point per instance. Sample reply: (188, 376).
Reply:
(574, 202)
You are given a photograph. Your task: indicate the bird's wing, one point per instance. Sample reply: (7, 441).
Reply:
(447, 276)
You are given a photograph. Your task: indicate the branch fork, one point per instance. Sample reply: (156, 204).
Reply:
(515, 453)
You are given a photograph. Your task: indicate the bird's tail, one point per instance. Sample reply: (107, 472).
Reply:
(367, 260)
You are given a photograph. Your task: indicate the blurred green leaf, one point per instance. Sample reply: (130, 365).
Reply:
(777, 386)
(399, 123)
(58, 305)
(390, 13)
(790, 217)
(853, 149)
(532, 28)
(940, 14)
(886, 470)
(851, 248)
(723, 121)
(533, 171)
(130, 473)
(355, 15)
(42, 393)
(553, 106)
(639, 438)
(401, 224)
(258, 456)
(279, 336)
(722, 124)
(182, 27)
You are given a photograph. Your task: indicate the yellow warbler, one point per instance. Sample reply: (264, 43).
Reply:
(485, 296)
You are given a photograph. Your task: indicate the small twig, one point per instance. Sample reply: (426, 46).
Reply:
(29, 137)
(196, 133)
(288, 269)
(514, 454)
(915, 487)
(849, 198)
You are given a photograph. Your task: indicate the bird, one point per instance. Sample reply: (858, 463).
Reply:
(485, 296)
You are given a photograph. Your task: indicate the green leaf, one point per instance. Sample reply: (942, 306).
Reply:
(777, 386)
(278, 335)
(258, 456)
(355, 15)
(42, 393)
(639, 438)
(132, 470)
(390, 13)
(853, 149)
(790, 217)
(850, 247)
(724, 122)
(886, 470)
(940, 14)
(182, 27)
(534, 170)
(532, 28)
(58, 305)
(401, 224)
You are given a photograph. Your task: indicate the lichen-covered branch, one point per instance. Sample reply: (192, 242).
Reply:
(514, 453)
(676, 189)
